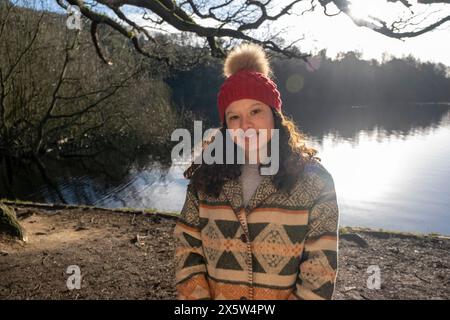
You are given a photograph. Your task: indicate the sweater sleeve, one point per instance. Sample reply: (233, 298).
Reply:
(318, 265)
(190, 268)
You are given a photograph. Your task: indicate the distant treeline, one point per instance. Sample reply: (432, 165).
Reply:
(346, 80)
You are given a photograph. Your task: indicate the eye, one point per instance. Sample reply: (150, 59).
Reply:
(232, 117)
(255, 111)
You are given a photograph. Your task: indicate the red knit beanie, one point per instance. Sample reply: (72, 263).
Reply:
(247, 70)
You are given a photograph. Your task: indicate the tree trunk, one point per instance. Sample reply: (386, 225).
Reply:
(9, 224)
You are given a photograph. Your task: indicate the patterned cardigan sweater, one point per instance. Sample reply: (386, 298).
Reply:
(280, 246)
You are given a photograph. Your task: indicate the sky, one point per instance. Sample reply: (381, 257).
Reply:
(339, 33)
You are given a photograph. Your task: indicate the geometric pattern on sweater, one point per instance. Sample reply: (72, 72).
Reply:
(280, 246)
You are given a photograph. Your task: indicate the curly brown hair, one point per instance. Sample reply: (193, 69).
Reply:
(294, 154)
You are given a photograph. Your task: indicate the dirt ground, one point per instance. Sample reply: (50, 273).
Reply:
(122, 255)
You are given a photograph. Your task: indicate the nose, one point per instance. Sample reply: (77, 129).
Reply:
(246, 123)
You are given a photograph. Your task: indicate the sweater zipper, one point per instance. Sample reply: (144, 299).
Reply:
(249, 252)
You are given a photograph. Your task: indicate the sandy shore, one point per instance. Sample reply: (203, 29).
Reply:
(126, 254)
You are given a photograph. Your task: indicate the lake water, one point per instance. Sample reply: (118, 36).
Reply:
(390, 166)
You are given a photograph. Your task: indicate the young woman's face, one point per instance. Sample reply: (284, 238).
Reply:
(248, 114)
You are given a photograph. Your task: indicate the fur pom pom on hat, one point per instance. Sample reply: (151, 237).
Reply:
(247, 70)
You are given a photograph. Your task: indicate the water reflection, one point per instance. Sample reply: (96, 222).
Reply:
(392, 181)
(347, 122)
(154, 186)
(389, 163)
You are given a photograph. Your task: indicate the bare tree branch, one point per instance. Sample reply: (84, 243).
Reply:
(47, 115)
(391, 31)
(173, 14)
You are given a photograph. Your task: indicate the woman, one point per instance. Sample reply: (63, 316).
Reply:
(243, 235)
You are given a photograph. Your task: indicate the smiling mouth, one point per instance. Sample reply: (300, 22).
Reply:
(251, 134)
